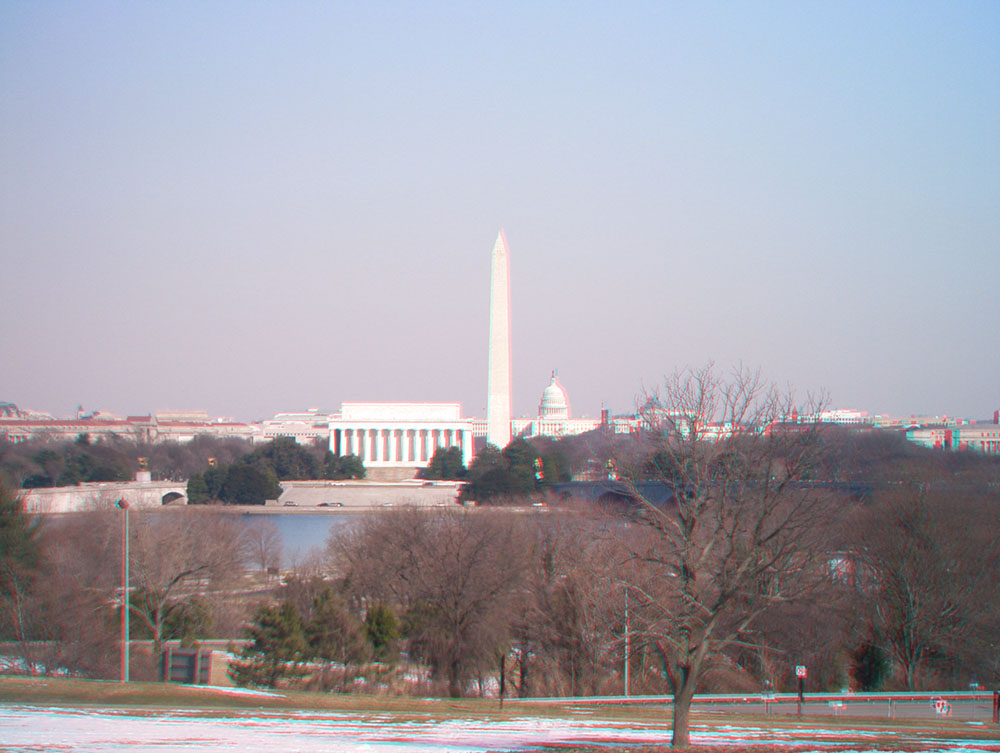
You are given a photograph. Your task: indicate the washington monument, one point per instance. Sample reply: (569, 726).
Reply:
(498, 399)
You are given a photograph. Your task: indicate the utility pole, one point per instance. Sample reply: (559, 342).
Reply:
(122, 505)
(626, 643)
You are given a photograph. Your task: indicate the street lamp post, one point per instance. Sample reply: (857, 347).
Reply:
(626, 643)
(122, 505)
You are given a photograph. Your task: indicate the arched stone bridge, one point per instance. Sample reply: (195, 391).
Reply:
(103, 495)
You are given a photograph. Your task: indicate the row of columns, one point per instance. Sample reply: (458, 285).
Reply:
(389, 446)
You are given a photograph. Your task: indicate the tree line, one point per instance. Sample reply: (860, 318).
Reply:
(510, 475)
(550, 591)
(253, 478)
(44, 462)
(230, 471)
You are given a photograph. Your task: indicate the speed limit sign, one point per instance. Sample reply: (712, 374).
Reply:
(800, 670)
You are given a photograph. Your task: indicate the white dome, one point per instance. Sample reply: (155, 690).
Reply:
(555, 401)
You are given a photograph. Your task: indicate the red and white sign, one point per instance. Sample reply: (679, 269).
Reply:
(800, 670)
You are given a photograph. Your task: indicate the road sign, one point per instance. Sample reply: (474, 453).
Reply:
(800, 670)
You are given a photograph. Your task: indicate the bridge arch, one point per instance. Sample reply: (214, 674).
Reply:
(174, 498)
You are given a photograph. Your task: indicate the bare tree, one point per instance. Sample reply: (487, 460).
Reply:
(181, 562)
(928, 564)
(264, 543)
(177, 556)
(177, 461)
(569, 635)
(78, 592)
(455, 575)
(814, 632)
(742, 533)
(377, 556)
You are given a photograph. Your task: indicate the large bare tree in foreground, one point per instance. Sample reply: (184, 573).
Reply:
(742, 534)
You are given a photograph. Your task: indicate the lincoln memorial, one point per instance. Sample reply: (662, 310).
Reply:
(399, 435)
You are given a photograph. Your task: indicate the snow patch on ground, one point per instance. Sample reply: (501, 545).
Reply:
(221, 689)
(29, 729)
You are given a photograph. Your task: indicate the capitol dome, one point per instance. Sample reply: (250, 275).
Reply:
(555, 401)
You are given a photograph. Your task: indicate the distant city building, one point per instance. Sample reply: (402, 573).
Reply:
(137, 428)
(907, 422)
(305, 428)
(10, 410)
(183, 427)
(554, 416)
(166, 426)
(399, 435)
(555, 401)
(842, 417)
(977, 437)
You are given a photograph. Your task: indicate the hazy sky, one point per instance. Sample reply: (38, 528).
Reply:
(258, 207)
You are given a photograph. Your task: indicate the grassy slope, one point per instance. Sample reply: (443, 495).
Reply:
(47, 690)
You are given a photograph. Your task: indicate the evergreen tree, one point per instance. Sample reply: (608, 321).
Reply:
(343, 466)
(197, 489)
(487, 476)
(334, 632)
(871, 667)
(276, 650)
(249, 485)
(287, 459)
(19, 562)
(382, 630)
(496, 475)
(521, 466)
(86, 462)
(446, 464)
(555, 468)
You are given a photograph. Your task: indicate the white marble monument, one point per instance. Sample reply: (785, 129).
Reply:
(498, 402)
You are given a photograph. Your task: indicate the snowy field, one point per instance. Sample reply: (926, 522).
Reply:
(96, 730)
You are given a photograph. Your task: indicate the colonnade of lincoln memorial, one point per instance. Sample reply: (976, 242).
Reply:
(398, 446)
(400, 435)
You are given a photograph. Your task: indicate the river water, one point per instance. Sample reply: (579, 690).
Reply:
(303, 533)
